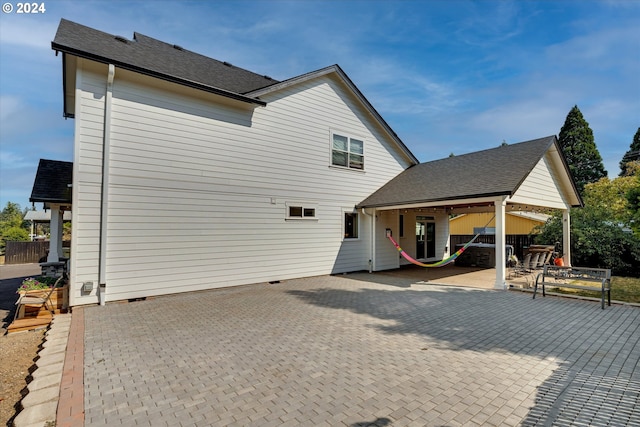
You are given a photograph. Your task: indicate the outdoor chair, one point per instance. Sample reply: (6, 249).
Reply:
(544, 260)
(522, 268)
(41, 299)
(534, 261)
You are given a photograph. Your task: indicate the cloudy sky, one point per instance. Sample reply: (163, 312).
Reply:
(448, 76)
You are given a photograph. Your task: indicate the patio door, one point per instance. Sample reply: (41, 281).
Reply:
(425, 238)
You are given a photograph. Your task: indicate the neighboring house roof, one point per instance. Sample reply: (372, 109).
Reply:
(53, 182)
(45, 216)
(153, 57)
(493, 172)
(532, 216)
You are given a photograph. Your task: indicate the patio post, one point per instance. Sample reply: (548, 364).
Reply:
(501, 253)
(566, 237)
(55, 238)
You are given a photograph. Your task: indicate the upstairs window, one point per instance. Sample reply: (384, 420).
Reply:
(347, 152)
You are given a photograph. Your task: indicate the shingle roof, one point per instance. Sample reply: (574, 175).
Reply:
(159, 59)
(492, 172)
(52, 182)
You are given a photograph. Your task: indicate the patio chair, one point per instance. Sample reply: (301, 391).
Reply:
(41, 299)
(534, 261)
(544, 260)
(522, 268)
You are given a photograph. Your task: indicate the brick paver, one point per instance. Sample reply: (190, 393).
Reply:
(357, 350)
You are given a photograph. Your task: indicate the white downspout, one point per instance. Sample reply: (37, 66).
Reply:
(104, 196)
(372, 245)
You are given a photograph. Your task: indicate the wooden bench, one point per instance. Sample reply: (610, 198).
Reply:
(590, 279)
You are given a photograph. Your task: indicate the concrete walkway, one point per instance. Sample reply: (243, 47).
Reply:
(360, 350)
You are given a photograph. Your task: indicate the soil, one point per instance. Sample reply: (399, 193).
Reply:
(18, 352)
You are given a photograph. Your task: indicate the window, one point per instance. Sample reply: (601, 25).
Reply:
(350, 225)
(347, 152)
(300, 211)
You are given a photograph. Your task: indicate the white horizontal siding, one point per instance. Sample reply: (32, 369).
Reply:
(198, 189)
(541, 187)
(87, 176)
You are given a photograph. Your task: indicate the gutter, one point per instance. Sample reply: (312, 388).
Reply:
(156, 74)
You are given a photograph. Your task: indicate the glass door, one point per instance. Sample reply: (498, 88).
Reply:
(431, 239)
(420, 238)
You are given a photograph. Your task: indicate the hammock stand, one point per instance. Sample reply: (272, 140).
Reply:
(441, 263)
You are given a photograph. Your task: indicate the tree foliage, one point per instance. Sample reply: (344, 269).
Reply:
(13, 227)
(600, 235)
(633, 200)
(632, 155)
(578, 145)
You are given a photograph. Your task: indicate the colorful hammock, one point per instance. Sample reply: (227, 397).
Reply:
(442, 263)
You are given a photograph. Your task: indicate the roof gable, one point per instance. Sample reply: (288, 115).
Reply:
(52, 182)
(494, 172)
(159, 59)
(335, 70)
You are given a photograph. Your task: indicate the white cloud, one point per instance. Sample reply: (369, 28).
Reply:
(27, 33)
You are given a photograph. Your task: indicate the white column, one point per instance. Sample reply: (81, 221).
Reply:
(55, 238)
(501, 252)
(566, 237)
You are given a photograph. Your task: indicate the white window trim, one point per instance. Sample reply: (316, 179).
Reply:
(303, 205)
(343, 225)
(350, 136)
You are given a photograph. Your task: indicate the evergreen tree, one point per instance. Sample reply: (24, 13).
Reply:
(579, 148)
(633, 155)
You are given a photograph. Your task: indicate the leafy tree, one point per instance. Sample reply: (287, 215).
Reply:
(610, 197)
(15, 234)
(577, 144)
(632, 155)
(13, 227)
(599, 231)
(633, 198)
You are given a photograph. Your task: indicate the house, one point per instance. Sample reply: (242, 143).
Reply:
(517, 222)
(190, 173)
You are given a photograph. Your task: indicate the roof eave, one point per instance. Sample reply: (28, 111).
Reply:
(173, 79)
(435, 200)
(49, 200)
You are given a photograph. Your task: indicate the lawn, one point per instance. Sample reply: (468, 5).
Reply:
(625, 289)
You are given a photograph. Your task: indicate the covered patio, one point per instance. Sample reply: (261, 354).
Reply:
(452, 275)
(530, 176)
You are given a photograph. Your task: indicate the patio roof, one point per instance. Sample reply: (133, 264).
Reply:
(488, 173)
(53, 182)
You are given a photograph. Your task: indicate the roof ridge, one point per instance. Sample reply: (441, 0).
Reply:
(485, 150)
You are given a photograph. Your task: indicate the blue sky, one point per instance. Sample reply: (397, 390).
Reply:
(448, 76)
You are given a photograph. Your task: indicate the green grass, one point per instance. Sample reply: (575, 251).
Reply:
(626, 289)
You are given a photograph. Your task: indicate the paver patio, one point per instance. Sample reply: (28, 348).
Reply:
(360, 350)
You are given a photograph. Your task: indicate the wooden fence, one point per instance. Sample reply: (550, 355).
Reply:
(518, 241)
(25, 252)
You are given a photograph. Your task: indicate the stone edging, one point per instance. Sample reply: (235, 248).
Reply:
(41, 403)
